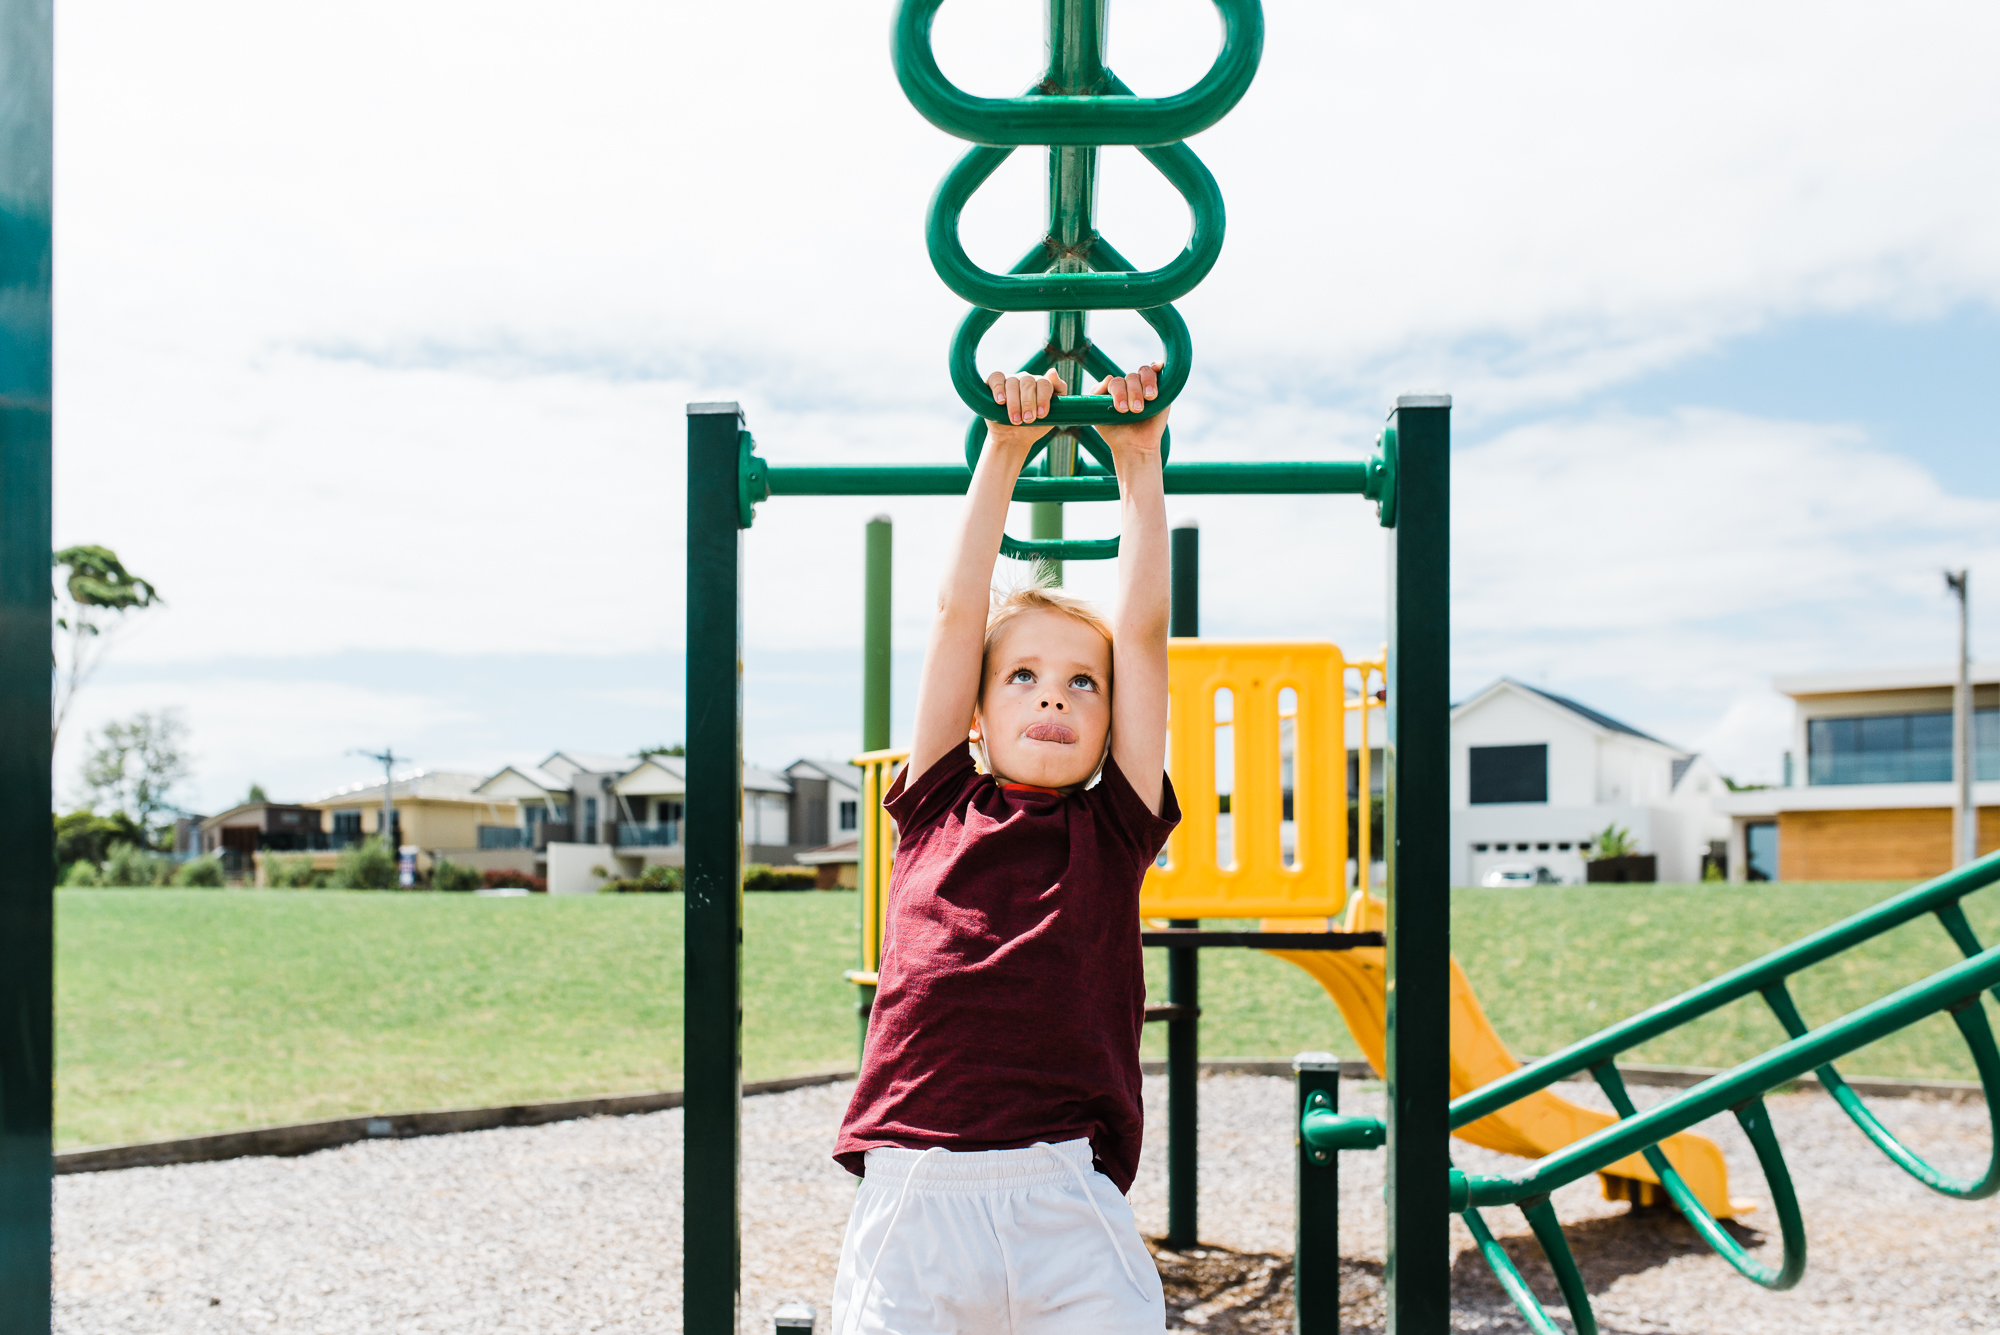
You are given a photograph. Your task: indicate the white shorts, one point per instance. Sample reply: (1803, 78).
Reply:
(1006, 1242)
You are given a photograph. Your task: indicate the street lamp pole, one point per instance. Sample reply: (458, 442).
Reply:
(1965, 823)
(387, 755)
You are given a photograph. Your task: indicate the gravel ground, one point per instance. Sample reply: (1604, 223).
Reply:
(576, 1227)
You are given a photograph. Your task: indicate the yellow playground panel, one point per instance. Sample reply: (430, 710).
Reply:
(1257, 695)
(1266, 694)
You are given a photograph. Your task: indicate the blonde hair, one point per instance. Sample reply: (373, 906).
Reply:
(1016, 603)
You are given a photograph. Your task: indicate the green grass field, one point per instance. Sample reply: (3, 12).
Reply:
(180, 1012)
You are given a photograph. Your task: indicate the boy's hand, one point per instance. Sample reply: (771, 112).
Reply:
(1028, 399)
(1129, 394)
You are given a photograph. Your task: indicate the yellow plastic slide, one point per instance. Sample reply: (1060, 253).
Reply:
(1537, 1125)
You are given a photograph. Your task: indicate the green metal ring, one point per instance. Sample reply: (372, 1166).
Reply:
(1109, 286)
(1071, 409)
(1123, 119)
(1555, 1247)
(1058, 549)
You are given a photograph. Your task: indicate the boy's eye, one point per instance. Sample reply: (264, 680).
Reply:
(1021, 675)
(1080, 682)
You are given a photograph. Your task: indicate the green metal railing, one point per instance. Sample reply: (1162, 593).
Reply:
(1955, 991)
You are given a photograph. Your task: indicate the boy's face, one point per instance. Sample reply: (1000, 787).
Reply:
(1045, 703)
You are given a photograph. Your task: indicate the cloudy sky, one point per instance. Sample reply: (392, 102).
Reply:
(376, 323)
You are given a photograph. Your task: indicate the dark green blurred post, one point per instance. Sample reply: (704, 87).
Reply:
(1316, 1207)
(712, 833)
(877, 580)
(1184, 966)
(1045, 520)
(1417, 807)
(27, 841)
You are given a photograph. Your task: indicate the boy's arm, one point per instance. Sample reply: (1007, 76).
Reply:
(1139, 626)
(948, 691)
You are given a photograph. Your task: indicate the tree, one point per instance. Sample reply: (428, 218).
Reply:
(85, 836)
(256, 794)
(133, 767)
(1613, 841)
(677, 749)
(92, 598)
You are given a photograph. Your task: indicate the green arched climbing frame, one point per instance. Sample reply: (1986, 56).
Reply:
(1077, 107)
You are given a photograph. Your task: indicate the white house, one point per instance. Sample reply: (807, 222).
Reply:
(1535, 775)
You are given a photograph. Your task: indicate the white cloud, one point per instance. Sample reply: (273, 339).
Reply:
(374, 330)
(1680, 562)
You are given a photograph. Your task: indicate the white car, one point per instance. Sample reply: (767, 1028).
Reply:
(1519, 874)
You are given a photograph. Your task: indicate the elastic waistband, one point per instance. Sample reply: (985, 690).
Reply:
(977, 1170)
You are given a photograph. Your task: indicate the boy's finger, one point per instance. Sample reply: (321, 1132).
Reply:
(1062, 386)
(1115, 387)
(1033, 390)
(997, 382)
(1135, 389)
(1014, 400)
(1150, 377)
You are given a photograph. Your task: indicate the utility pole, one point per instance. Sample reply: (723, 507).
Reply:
(387, 755)
(1965, 823)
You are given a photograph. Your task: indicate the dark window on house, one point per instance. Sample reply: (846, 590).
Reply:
(347, 826)
(850, 815)
(1760, 847)
(638, 806)
(1510, 773)
(1896, 748)
(590, 819)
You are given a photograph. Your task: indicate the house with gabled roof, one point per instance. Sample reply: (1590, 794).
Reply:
(1536, 775)
(622, 814)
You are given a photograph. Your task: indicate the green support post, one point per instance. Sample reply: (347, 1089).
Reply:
(1316, 1208)
(711, 1245)
(1045, 520)
(1417, 807)
(1076, 67)
(1184, 965)
(27, 847)
(875, 668)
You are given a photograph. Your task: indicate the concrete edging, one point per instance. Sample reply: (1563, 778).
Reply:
(308, 1137)
(1635, 1073)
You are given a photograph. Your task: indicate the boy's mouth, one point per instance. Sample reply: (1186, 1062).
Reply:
(1050, 732)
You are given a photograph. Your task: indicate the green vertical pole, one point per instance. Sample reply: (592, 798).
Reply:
(1045, 520)
(27, 847)
(1076, 65)
(875, 667)
(1184, 965)
(1418, 754)
(1316, 1207)
(713, 838)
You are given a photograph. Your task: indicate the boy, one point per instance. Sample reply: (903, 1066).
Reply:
(996, 1122)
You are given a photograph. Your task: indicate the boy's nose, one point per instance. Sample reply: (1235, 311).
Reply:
(1060, 705)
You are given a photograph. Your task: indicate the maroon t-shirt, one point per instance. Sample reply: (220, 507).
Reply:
(1011, 987)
